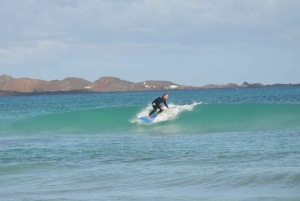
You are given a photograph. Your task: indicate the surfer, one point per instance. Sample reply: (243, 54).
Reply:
(156, 104)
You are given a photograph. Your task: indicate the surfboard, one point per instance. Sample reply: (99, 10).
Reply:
(146, 120)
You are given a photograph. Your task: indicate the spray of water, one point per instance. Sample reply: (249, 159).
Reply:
(167, 114)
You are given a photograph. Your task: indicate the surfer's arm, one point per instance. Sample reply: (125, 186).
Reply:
(166, 104)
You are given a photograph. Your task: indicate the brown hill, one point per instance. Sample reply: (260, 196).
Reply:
(4, 78)
(112, 84)
(73, 83)
(22, 84)
(8, 83)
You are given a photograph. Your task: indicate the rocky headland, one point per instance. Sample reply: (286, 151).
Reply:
(25, 86)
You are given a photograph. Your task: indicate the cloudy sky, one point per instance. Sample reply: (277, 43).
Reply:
(194, 42)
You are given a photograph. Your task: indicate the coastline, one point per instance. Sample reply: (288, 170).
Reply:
(10, 86)
(4, 93)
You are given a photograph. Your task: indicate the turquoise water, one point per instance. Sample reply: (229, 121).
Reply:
(237, 144)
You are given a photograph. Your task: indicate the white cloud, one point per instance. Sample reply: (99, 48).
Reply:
(67, 16)
(32, 31)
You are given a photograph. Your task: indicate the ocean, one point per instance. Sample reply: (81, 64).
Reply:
(229, 144)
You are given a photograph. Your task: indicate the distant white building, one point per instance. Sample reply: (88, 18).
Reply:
(173, 86)
(87, 87)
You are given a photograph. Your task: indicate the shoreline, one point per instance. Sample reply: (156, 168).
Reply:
(18, 93)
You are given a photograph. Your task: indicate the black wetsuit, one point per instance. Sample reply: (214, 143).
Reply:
(156, 105)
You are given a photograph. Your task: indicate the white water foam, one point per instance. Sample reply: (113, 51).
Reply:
(167, 114)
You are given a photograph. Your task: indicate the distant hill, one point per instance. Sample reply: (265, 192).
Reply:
(16, 86)
(112, 84)
(26, 85)
(7, 83)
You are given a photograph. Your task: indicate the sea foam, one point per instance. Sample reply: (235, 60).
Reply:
(168, 114)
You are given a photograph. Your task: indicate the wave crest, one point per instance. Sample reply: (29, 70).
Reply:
(168, 114)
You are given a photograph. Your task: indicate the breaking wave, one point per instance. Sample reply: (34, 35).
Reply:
(190, 118)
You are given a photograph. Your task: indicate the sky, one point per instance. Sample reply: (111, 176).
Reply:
(194, 42)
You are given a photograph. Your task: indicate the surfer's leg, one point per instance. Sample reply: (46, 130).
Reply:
(154, 110)
(160, 110)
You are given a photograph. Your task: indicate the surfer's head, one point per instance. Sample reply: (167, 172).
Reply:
(165, 96)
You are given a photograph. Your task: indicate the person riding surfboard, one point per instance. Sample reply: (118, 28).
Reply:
(156, 104)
